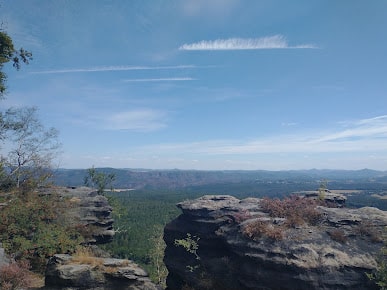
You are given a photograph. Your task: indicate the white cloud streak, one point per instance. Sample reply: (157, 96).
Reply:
(365, 128)
(113, 68)
(268, 42)
(367, 135)
(160, 80)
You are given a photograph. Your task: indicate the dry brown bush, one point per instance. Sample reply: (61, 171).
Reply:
(295, 209)
(366, 229)
(338, 235)
(15, 276)
(84, 255)
(241, 216)
(259, 229)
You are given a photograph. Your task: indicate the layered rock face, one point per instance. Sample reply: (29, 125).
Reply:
(215, 252)
(89, 272)
(92, 211)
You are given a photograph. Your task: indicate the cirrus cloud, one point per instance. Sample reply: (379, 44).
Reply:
(113, 68)
(267, 42)
(366, 135)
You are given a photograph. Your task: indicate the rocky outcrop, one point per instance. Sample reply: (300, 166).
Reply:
(215, 252)
(92, 273)
(91, 212)
(334, 199)
(93, 269)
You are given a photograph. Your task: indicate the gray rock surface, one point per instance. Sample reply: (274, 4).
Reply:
(3, 258)
(67, 272)
(306, 258)
(336, 199)
(92, 211)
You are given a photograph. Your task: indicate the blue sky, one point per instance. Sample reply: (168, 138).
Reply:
(198, 84)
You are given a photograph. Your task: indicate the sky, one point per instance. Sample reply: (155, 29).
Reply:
(198, 84)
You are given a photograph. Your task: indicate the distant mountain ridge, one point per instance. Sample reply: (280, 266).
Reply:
(175, 178)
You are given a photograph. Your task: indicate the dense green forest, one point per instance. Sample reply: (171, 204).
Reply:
(140, 217)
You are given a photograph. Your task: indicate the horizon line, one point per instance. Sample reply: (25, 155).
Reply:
(192, 169)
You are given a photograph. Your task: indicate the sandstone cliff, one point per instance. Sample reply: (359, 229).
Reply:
(334, 253)
(91, 212)
(90, 268)
(92, 271)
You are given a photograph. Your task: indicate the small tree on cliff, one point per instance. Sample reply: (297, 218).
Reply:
(99, 180)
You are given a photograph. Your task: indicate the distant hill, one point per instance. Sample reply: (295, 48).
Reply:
(173, 179)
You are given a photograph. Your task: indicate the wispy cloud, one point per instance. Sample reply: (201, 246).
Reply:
(268, 42)
(288, 124)
(160, 80)
(379, 120)
(136, 120)
(367, 135)
(113, 68)
(366, 128)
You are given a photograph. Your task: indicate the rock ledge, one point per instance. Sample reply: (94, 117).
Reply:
(307, 258)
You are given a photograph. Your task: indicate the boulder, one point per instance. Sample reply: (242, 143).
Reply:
(92, 273)
(336, 199)
(335, 253)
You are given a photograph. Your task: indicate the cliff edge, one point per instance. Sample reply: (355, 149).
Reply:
(221, 242)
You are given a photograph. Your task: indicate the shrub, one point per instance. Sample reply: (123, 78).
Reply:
(295, 209)
(31, 229)
(87, 231)
(380, 275)
(258, 229)
(241, 216)
(366, 229)
(338, 235)
(190, 244)
(15, 276)
(84, 255)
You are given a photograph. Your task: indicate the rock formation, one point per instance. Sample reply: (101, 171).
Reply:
(215, 252)
(334, 199)
(66, 272)
(91, 211)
